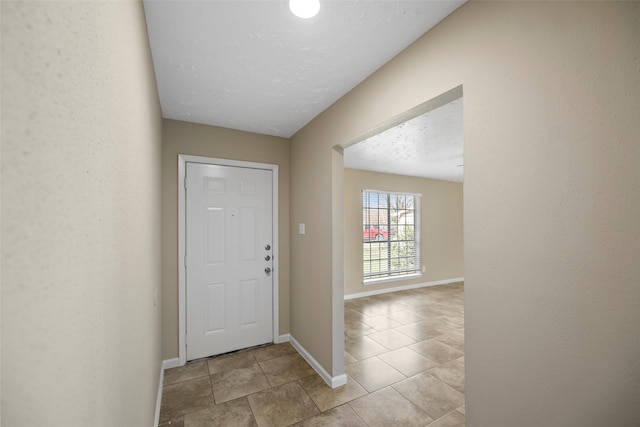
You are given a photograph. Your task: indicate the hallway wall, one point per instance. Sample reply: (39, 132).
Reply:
(81, 140)
(551, 205)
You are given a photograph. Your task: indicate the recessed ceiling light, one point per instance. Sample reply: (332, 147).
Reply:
(304, 8)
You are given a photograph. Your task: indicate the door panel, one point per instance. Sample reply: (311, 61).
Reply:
(215, 307)
(249, 309)
(215, 228)
(248, 235)
(228, 228)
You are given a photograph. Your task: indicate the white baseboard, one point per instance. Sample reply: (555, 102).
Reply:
(332, 382)
(156, 419)
(166, 364)
(283, 338)
(170, 363)
(338, 381)
(403, 288)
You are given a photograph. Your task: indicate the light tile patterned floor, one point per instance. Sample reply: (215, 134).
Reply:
(404, 361)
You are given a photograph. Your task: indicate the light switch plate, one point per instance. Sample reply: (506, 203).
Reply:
(301, 229)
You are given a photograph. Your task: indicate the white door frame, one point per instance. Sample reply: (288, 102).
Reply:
(182, 301)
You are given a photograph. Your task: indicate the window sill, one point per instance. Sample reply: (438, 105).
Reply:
(391, 279)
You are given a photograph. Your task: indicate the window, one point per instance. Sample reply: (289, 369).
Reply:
(390, 234)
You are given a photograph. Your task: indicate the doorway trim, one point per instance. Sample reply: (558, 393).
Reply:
(182, 301)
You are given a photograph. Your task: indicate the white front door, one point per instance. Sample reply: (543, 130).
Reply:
(229, 258)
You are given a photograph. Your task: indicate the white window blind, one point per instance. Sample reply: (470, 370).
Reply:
(390, 234)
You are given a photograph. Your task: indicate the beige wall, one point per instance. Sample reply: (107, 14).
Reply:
(312, 295)
(441, 249)
(551, 204)
(209, 141)
(80, 215)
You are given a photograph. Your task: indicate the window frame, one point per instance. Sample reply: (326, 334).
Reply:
(393, 245)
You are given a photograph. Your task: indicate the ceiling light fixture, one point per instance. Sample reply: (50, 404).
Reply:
(304, 8)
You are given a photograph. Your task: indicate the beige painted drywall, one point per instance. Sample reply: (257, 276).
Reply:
(311, 288)
(441, 244)
(201, 140)
(81, 151)
(551, 204)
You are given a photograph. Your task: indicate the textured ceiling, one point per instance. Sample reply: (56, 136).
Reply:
(253, 66)
(428, 146)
